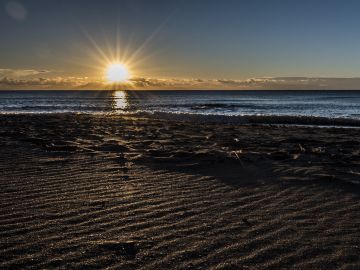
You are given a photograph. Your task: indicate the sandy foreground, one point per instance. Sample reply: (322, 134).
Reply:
(95, 192)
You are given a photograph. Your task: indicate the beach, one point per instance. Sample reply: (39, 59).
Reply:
(83, 191)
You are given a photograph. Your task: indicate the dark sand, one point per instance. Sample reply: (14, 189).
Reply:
(91, 192)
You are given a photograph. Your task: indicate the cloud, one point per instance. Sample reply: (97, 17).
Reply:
(16, 73)
(271, 83)
(42, 83)
(16, 10)
(24, 79)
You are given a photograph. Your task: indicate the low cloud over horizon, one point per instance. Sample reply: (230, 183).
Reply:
(18, 73)
(31, 79)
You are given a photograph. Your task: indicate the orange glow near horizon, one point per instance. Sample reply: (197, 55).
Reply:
(116, 63)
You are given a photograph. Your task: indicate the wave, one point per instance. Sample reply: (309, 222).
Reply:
(209, 106)
(49, 108)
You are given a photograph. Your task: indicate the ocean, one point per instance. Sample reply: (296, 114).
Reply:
(304, 104)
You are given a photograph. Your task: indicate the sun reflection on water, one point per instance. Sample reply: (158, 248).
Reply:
(119, 101)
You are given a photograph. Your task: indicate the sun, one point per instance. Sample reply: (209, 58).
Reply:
(117, 73)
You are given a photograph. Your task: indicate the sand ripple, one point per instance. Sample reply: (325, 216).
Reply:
(96, 196)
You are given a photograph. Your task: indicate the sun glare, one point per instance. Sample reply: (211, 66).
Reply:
(117, 73)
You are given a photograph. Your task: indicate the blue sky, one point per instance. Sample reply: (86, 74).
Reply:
(181, 40)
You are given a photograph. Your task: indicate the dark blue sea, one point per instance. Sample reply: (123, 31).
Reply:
(324, 104)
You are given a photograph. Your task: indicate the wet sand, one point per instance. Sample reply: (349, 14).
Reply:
(115, 192)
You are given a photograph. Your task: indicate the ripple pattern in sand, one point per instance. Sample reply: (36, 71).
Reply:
(89, 213)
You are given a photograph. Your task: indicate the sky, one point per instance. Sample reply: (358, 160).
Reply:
(183, 44)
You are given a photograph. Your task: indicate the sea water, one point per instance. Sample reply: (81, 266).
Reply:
(325, 104)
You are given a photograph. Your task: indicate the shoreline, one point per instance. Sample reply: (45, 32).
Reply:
(281, 120)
